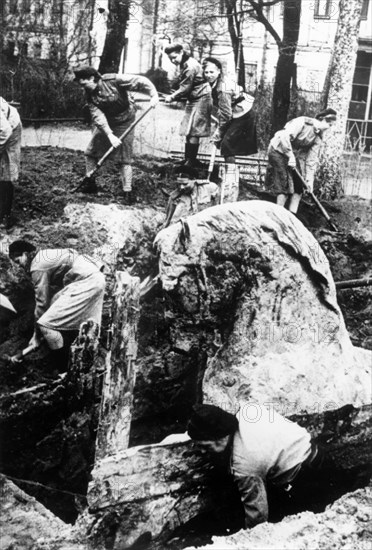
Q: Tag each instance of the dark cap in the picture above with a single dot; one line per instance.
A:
(213, 60)
(328, 114)
(210, 422)
(86, 71)
(17, 248)
(173, 48)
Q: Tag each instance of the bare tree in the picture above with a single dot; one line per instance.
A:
(234, 13)
(337, 94)
(118, 17)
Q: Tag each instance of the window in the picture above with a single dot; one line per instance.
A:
(364, 13)
(322, 9)
(361, 93)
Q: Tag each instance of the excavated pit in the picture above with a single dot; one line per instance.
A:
(50, 437)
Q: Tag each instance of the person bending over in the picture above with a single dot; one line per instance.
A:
(112, 110)
(271, 458)
(69, 289)
(298, 146)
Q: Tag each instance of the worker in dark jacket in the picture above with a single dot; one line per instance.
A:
(69, 289)
(235, 132)
(112, 110)
(298, 145)
(266, 454)
(192, 87)
(10, 158)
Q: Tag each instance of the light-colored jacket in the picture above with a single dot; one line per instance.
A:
(302, 139)
(54, 269)
(266, 446)
(9, 120)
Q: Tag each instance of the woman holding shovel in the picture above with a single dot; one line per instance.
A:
(296, 147)
(69, 289)
(112, 109)
(236, 127)
(196, 122)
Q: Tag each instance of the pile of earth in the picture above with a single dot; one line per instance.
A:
(46, 187)
(49, 175)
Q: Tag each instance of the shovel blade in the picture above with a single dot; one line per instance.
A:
(5, 303)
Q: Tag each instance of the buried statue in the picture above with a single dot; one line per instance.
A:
(251, 303)
(235, 272)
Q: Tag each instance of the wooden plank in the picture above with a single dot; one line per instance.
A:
(117, 397)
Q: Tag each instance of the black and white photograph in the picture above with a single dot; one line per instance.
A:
(186, 275)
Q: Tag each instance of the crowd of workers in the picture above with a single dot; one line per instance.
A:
(69, 287)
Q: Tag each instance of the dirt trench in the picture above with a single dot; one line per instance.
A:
(50, 437)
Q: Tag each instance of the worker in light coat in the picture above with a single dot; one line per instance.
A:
(69, 289)
(10, 158)
(266, 454)
(298, 145)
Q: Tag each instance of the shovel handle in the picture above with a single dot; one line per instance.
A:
(17, 358)
(111, 149)
(211, 161)
(317, 202)
(122, 137)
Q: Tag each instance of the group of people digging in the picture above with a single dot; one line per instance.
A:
(210, 97)
(264, 456)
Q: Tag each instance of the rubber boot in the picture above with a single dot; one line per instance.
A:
(231, 187)
(187, 153)
(192, 153)
(126, 180)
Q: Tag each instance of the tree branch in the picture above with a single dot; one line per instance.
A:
(259, 16)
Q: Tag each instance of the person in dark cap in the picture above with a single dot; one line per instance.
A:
(190, 85)
(191, 196)
(268, 455)
(69, 289)
(112, 109)
(298, 146)
(235, 132)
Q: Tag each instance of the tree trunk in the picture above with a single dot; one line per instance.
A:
(234, 26)
(115, 38)
(285, 66)
(337, 94)
(117, 398)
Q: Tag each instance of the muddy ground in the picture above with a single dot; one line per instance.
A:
(48, 177)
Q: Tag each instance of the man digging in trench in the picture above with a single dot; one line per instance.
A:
(69, 289)
(276, 467)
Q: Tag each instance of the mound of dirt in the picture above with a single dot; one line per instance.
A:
(48, 178)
